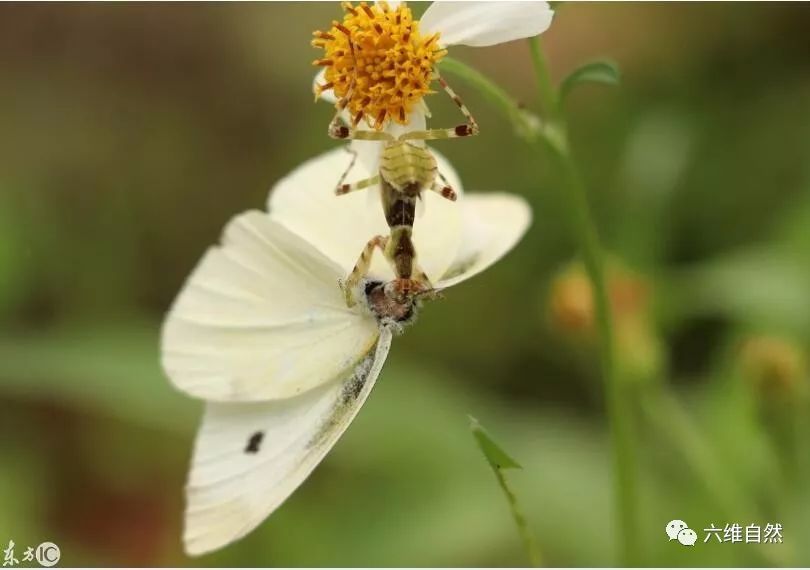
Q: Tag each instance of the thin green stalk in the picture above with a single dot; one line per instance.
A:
(663, 411)
(545, 88)
(620, 418)
(620, 415)
(801, 427)
(520, 520)
(551, 139)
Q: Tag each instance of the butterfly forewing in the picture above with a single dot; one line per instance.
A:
(261, 317)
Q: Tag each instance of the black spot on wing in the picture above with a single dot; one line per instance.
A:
(254, 442)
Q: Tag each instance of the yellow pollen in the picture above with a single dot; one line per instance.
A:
(381, 52)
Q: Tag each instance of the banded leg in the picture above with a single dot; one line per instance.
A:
(359, 185)
(343, 176)
(336, 126)
(338, 130)
(361, 268)
(444, 189)
(470, 128)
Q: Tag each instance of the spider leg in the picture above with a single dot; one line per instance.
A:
(359, 185)
(361, 268)
(470, 128)
(444, 189)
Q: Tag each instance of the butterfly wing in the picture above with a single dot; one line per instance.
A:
(249, 458)
(261, 317)
(492, 225)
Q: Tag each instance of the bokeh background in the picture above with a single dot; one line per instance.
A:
(130, 134)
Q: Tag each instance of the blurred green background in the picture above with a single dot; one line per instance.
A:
(130, 134)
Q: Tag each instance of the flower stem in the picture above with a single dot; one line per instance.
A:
(551, 139)
(545, 88)
(520, 520)
(620, 418)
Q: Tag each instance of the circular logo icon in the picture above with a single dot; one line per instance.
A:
(48, 554)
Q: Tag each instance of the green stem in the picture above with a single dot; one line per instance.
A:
(801, 426)
(620, 415)
(545, 88)
(520, 520)
(664, 412)
(551, 139)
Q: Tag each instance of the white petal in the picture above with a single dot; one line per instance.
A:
(327, 95)
(368, 156)
(482, 24)
(340, 226)
(493, 224)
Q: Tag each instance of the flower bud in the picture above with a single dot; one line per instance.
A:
(775, 366)
(570, 306)
(571, 299)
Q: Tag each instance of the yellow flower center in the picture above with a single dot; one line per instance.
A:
(380, 55)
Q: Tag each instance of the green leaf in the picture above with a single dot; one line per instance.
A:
(602, 71)
(499, 461)
(495, 455)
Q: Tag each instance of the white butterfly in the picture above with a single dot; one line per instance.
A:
(261, 332)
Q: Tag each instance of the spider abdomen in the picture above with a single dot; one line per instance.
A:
(408, 168)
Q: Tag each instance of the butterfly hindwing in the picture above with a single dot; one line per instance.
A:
(248, 458)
